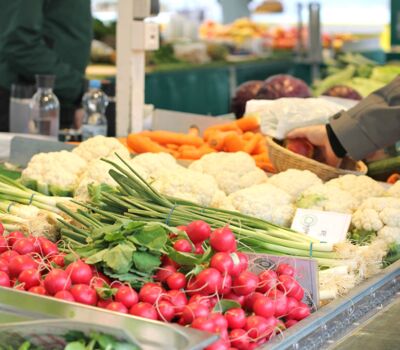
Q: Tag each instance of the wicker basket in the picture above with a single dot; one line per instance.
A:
(283, 159)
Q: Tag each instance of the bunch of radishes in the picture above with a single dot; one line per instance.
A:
(264, 304)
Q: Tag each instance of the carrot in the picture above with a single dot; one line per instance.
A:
(248, 123)
(217, 139)
(248, 135)
(266, 166)
(123, 140)
(194, 131)
(221, 127)
(261, 147)
(233, 143)
(392, 179)
(251, 144)
(164, 137)
(172, 146)
(263, 157)
(142, 144)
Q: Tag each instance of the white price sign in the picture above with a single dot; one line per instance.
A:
(326, 226)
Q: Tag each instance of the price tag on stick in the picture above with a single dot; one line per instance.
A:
(326, 226)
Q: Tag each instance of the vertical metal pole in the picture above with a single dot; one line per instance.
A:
(315, 44)
(300, 43)
(123, 88)
(137, 92)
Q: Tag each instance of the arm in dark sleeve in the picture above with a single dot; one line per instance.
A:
(27, 53)
(372, 124)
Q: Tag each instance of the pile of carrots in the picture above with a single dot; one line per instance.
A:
(240, 135)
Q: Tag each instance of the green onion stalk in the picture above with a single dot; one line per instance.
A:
(137, 200)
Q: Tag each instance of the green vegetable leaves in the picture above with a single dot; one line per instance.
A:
(224, 305)
(145, 261)
(119, 258)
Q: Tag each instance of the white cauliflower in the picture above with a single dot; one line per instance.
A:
(389, 234)
(232, 171)
(53, 173)
(360, 187)
(189, 185)
(100, 147)
(376, 212)
(97, 173)
(328, 198)
(155, 162)
(264, 201)
(394, 190)
(294, 181)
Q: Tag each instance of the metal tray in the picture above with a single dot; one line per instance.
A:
(22, 306)
(336, 320)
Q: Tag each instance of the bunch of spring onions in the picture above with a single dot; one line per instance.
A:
(137, 200)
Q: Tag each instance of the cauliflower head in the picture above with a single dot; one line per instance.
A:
(97, 173)
(328, 198)
(188, 185)
(53, 173)
(376, 212)
(294, 181)
(154, 163)
(394, 191)
(266, 202)
(100, 147)
(232, 171)
(360, 187)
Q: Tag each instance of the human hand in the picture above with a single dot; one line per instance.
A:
(318, 137)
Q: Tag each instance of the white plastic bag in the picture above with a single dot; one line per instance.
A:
(278, 117)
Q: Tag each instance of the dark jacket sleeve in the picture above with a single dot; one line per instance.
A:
(372, 124)
(27, 53)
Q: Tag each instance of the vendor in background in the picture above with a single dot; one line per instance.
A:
(372, 124)
(45, 37)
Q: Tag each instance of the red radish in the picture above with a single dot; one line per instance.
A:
(127, 296)
(200, 299)
(176, 298)
(57, 280)
(29, 278)
(292, 304)
(239, 339)
(166, 260)
(18, 286)
(226, 284)
(220, 322)
(13, 237)
(47, 247)
(117, 307)
(4, 265)
(236, 318)
(198, 248)
(58, 259)
(290, 287)
(79, 272)
(245, 284)
(1, 229)
(264, 307)
(300, 312)
(144, 310)
(250, 300)
(259, 327)
(244, 260)
(23, 246)
(150, 293)
(192, 311)
(20, 263)
(198, 231)
(239, 298)
(203, 324)
(164, 272)
(223, 262)
(82, 293)
(290, 323)
(38, 290)
(3, 244)
(165, 310)
(4, 279)
(285, 269)
(97, 282)
(181, 228)
(176, 281)
(209, 281)
(103, 303)
(268, 280)
(218, 345)
(64, 295)
(280, 301)
(223, 240)
(8, 255)
(183, 245)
